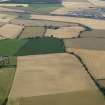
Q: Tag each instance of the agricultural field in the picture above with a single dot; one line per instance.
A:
(44, 8)
(78, 5)
(60, 11)
(21, 47)
(10, 31)
(6, 17)
(52, 53)
(35, 8)
(94, 61)
(53, 82)
(7, 73)
(85, 43)
(38, 22)
(89, 57)
(93, 34)
(32, 32)
(92, 23)
(98, 3)
(65, 32)
(13, 5)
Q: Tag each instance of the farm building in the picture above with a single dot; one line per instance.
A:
(3, 60)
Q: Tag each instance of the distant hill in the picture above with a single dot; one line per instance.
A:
(32, 1)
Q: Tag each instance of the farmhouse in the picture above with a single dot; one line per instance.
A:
(3, 60)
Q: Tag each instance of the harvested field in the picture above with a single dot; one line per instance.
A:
(98, 3)
(93, 33)
(77, 5)
(92, 23)
(10, 30)
(52, 81)
(85, 43)
(94, 60)
(32, 32)
(60, 11)
(3, 9)
(6, 17)
(65, 32)
(41, 23)
(1, 24)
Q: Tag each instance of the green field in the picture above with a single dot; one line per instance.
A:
(21, 47)
(44, 8)
(7, 73)
(37, 8)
